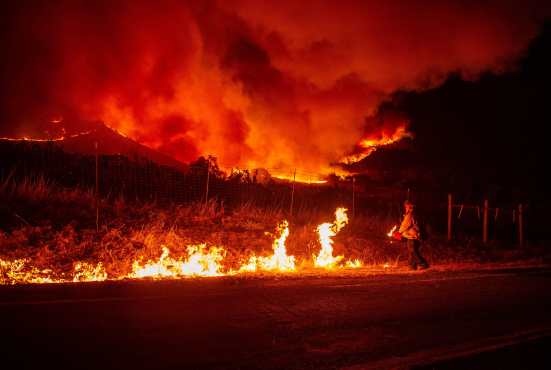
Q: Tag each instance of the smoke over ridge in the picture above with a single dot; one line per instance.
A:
(274, 84)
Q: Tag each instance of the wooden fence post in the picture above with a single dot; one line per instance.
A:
(293, 193)
(353, 196)
(450, 205)
(96, 198)
(485, 222)
(520, 226)
(208, 180)
(495, 223)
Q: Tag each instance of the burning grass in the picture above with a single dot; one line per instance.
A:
(49, 236)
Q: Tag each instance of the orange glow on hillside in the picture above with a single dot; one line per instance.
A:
(374, 142)
(301, 179)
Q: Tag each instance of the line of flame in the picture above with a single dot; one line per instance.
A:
(200, 261)
(300, 179)
(60, 138)
(370, 145)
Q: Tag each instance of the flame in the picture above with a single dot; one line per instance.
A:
(86, 272)
(18, 272)
(249, 266)
(298, 176)
(354, 264)
(279, 261)
(326, 231)
(198, 263)
(26, 138)
(56, 120)
(39, 140)
(188, 89)
(371, 144)
(200, 260)
(201, 264)
(304, 180)
(391, 232)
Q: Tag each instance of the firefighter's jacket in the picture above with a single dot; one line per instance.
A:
(409, 227)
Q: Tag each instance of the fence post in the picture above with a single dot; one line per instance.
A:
(293, 193)
(485, 222)
(96, 198)
(353, 196)
(450, 205)
(520, 226)
(495, 223)
(208, 180)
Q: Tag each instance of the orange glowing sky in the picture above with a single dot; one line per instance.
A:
(273, 84)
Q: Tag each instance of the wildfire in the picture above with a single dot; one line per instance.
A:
(326, 232)
(354, 264)
(201, 261)
(37, 140)
(299, 178)
(86, 272)
(371, 144)
(279, 261)
(26, 138)
(18, 272)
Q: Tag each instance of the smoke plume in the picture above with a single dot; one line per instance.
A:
(273, 84)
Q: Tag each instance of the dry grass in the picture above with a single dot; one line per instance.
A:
(54, 227)
(39, 189)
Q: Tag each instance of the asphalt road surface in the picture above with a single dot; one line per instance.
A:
(449, 320)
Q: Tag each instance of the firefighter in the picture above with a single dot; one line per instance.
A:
(409, 230)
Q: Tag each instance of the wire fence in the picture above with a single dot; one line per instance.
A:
(136, 179)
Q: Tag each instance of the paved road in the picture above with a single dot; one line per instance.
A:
(276, 323)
